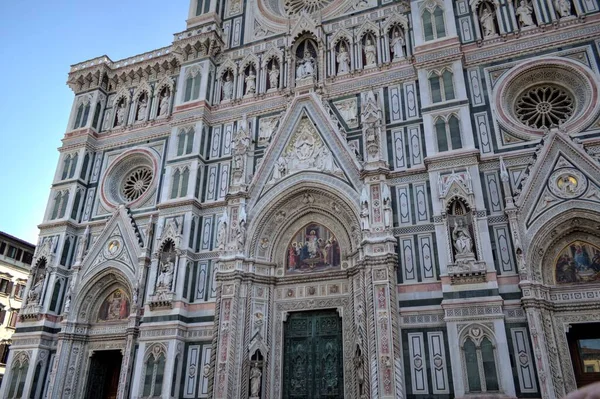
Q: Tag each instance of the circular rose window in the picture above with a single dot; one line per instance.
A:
(545, 106)
(137, 183)
(130, 178)
(297, 6)
(543, 94)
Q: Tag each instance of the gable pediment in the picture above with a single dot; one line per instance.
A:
(306, 141)
(562, 172)
(119, 242)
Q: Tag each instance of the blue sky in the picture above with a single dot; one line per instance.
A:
(39, 40)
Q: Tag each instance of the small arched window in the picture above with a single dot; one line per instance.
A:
(448, 134)
(441, 86)
(192, 85)
(179, 186)
(66, 165)
(73, 165)
(480, 362)
(17, 380)
(96, 115)
(433, 23)
(154, 373)
(185, 142)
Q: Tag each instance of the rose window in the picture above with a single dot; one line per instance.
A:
(544, 106)
(137, 183)
(310, 6)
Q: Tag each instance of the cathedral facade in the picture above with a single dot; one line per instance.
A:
(327, 199)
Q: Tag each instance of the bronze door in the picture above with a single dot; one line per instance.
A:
(103, 380)
(313, 359)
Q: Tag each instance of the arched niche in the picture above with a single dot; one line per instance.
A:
(274, 224)
(558, 237)
(97, 295)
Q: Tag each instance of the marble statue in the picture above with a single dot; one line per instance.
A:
(34, 293)
(524, 13)
(364, 216)
(462, 239)
(274, 77)
(396, 44)
(280, 169)
(563, 7)
(227, 87)
(165, 278)
(163, 105)
(68, 300)
(370, 53)
(305, 67)
(250, 83)
(106, 123)
(255, 378)
(121, 114)
(343, 60)
(487, 23)
(241, 235)
(348, 110)
(222, 232)
(360, 372)
(266, 129)
(387, 212)
(143, 106)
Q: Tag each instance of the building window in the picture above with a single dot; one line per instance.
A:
(83, 111)
(5, 286)
(154, 373)
(86, 161)
(192, 85)
(480, 362)
(19, 289)
(433, 23)
(180, 183)
(12, 321)
(441, 86)
(447, 132)
(60, 204)
(69, 165)
(12, 252)
(27, 257)
(17, 380)
(4, 347)
(185, 142)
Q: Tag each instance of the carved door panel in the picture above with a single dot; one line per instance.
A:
(313, 356)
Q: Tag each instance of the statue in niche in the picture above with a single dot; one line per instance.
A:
(274, 77)
(387, 211)
(397, 43)
(255, 377)
(461, 236)
(36, 291)
(370, 53)
(487, 23)
(227, 87)
(165, 278)
(360, 372)
(250, 83)
(343, 60)
(306, 67)
(348, 111)
(106, 123)
(267, 127)
(240, 235)
(142, 107)
(163, 105)
(280, 169)
(563, 7)
(222, 232)
(524, 13)
(121, 114)
(364, 216)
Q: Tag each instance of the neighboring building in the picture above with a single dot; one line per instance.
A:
(15, 264)
(327, 199)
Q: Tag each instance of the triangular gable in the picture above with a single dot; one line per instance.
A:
(563, 172)
(306, 114)
(120, 241)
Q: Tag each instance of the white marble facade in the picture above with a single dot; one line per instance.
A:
(425, 174)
